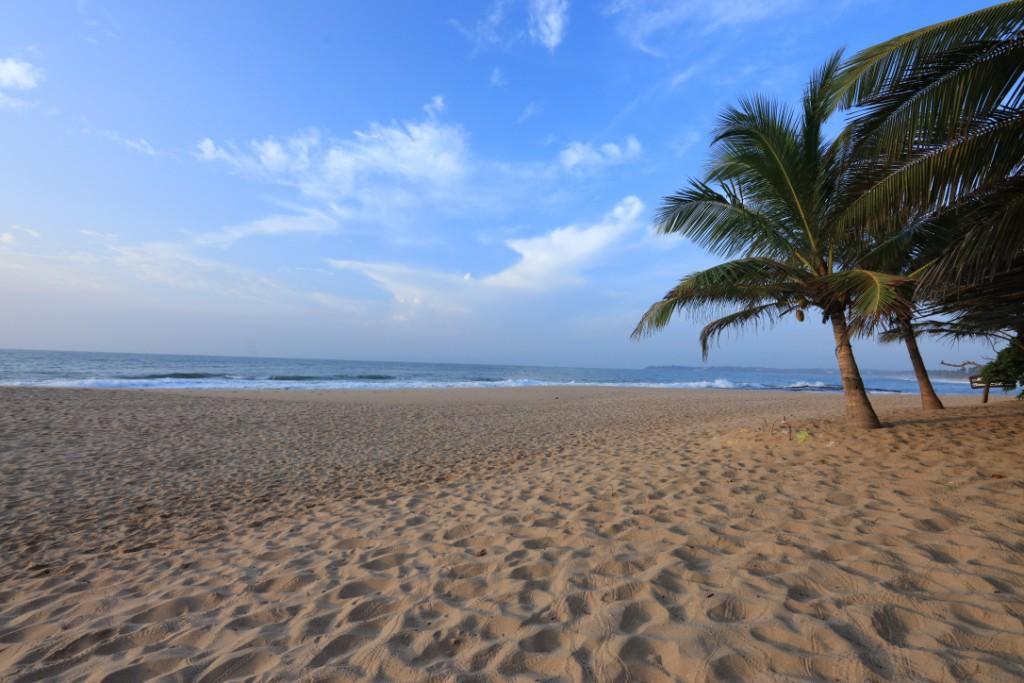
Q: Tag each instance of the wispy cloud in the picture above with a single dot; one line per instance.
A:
(558, 257)
(497, 79)
(153, 271)
(378, 175)
(548, 21)
(98, 236)
(428, 153)
(580, 156)
(309, 221)
(555, 259)
(684, 141)
(99, 23)
(139, 144)
(393, 180)
(434, 107)
(681, 77)
(640, 20)
(10, 236)
(414, 289)
(529, 111)
(485, 31)
(17, 75)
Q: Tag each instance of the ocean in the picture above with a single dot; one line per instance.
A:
(157, 371)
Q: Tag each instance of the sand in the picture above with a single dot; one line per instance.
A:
(536, 534)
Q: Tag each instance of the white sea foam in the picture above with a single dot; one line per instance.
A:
(803, 384)
(328, 384)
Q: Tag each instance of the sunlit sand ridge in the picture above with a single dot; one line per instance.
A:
(547, 534)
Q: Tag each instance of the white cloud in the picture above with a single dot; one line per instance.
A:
(435, 106)
(545, 262)
(415, 288)
(16, 74)
(428, 153)
(156, 272)
(268, 157)
(9, 237)
(99, 236)
(309, 221)
(140, 145)
(336, 302)
(548, 21)
(681, 77)
(558, 257)
(497, 78)
(639, 20)
(171, 264)
(583, 156)
(27, 231)
(529, 111)
(486, 31)
(376, 176)
(395, 181)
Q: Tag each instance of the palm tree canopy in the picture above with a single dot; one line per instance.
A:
(940, 113)
(770, 202)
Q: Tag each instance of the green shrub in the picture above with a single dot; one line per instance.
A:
(1007, 368)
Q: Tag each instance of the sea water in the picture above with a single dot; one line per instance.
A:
(157, 371)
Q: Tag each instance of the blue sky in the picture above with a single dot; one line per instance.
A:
(428, 181)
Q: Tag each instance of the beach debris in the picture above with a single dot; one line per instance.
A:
(770, 427)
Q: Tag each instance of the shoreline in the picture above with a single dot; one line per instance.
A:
(956, 397)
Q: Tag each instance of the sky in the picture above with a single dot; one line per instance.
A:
(423, 181)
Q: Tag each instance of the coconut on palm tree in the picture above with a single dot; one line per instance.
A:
(773, 202)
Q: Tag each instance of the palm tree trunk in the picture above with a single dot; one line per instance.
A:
(929, 399)
(858, 406)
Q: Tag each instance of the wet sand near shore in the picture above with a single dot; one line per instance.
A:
(557, 534)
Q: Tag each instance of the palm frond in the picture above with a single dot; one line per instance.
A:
(980, 238)
(722, 222)
(757, 147)
(942, 95)
(946, 174)
(757, 315)
(739, 283)
(870, 295)
(874, 69)
(821, 98)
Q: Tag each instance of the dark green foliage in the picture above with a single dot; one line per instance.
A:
(1008, 367)
(771, 201)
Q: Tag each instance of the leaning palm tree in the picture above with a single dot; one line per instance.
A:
(906, 254)
(943, 106)
(771, 202)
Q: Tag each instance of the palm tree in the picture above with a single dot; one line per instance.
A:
(772, 202)
(939, 111)
(901, 328)
(929, 399)
(943, 107)
(993, 310)
(907, 254)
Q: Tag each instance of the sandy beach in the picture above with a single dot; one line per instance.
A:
(513, 534)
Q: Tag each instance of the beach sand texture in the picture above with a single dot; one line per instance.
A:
(534, 534)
